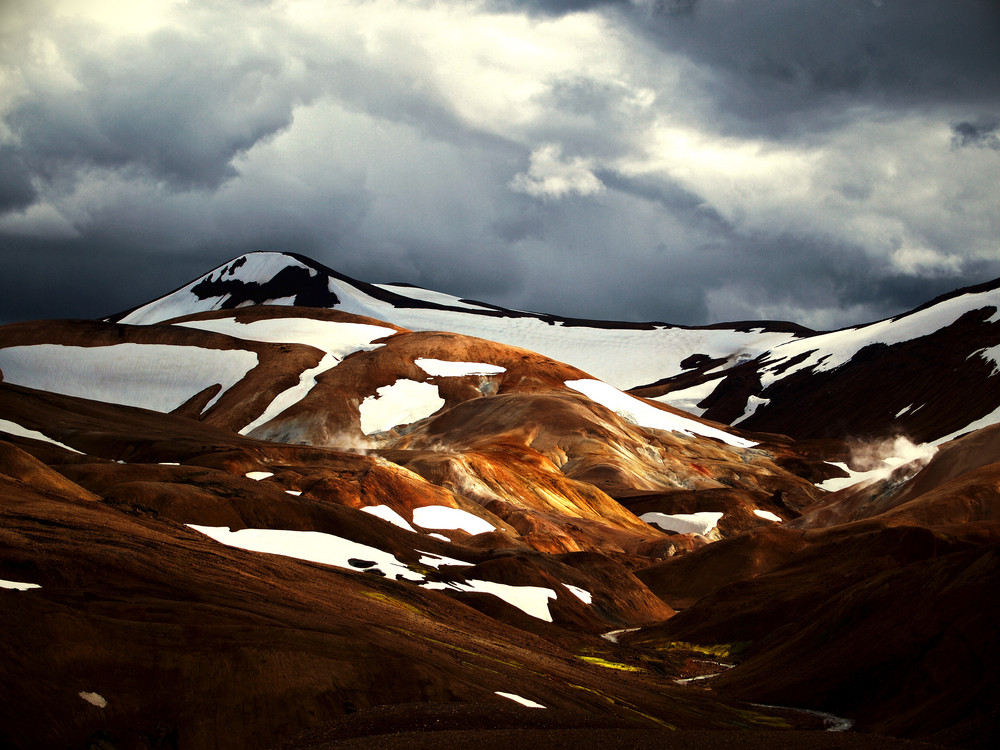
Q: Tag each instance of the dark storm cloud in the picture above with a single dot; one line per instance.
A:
(672, 196)
(16, 190)
(552, 7)
(176, 107)
(772, 61)
(674, 160)
(980, 134)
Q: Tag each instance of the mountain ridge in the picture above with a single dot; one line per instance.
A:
(230, 524)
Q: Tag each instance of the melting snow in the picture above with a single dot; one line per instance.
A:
(639, 412)
(151, 376)
(258, 475)
(329, 549)
(12, 428)
(314, 546)
(582, 594)
(443, 517)
(689, 398)
(890, 455)
(684, 523)
(444, 368)
(17, 586)
(532, 600)
(291, 396)
(388, 514)
(992, 418)
(435, 561)
(991, 355)
(403, 402)
(293, 492)
(518, 699)
(612, 635)
(767, 515)
(753, 403)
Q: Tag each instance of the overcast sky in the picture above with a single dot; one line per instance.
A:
(689, 161)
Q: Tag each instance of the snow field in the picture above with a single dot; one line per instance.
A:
(160, 377)
(428, 295)
(827, 351)
(638, 412)
(337, 339)
(333, 337)
(256, 267)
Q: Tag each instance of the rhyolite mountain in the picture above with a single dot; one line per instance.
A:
(927, 374)
(281, 507)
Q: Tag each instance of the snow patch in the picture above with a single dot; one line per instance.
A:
(518, 699)
(582, 594)
(444, 368)
(881, 458)
(767, 515)
(689, 398)
(612, 635)
(684, 523)
(532, 600)
(991, 355)
(388, 514)
(94, 699)
(403, 402)
(13, 428)
(753, 403)
(291, 396)
(640, 413)
(17, 585)
(443, 517)
(258, 475)
(328, 549)
(990, 419)
(314, 546)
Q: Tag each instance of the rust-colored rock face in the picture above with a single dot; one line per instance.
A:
(226, 523)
